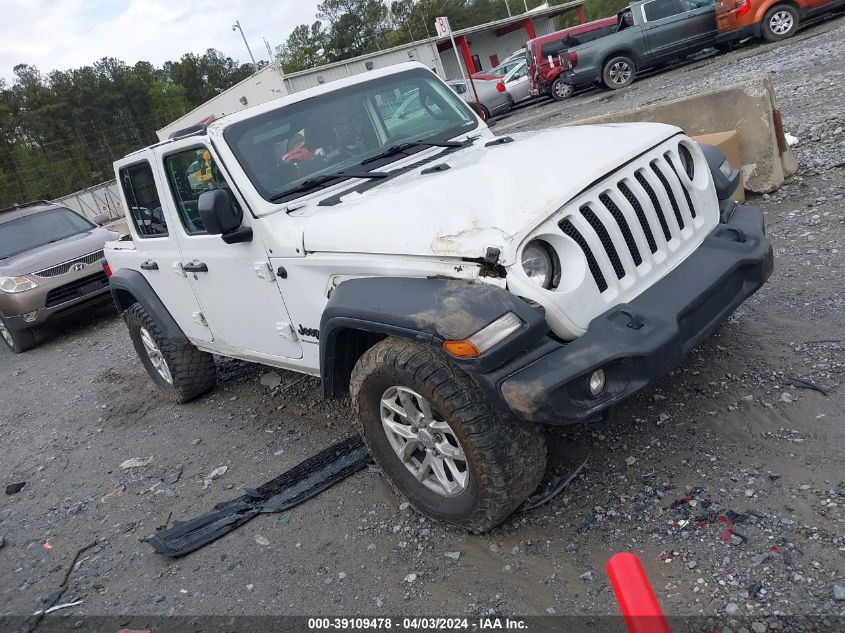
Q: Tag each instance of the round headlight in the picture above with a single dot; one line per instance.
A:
(538, 264)
(687, 160)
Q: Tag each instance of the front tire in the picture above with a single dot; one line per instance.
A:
(780, 22)
(436, 437)
(180, 371)
(618, 72)
(18, 341)
(561, 90)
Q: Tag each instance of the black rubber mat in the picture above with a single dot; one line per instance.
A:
(292, 487)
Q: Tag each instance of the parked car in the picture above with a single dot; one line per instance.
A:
(544, 53)
(458, 309)
(517, 83)
(648, 34)
(772, 20)
(49, 267)
(494, 97)
(499, 71)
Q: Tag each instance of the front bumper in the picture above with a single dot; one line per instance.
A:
(638, 343)
(43, 315)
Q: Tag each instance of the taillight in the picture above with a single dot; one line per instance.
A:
(742, 7)
(572, 59)
(500, 86)
(106, 267)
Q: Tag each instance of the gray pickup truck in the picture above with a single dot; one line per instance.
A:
(648, 34)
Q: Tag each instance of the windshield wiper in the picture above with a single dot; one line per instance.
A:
(310, 184)
(402, 148)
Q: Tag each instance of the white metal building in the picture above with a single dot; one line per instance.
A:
(480, 47)
(260, 87)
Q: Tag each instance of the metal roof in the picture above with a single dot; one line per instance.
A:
(548, 12)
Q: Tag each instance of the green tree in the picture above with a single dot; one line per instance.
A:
(168, 102)
(355, 27)
(303, 49)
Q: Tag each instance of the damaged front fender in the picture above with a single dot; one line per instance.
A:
(427, 310)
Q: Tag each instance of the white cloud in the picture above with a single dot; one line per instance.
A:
(63, 34)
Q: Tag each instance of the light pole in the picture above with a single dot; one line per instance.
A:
(237, 26)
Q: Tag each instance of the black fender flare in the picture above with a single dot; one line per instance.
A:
(129, 286)
(430, 311)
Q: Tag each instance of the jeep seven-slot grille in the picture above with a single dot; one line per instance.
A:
(669, 193)
(77, 289)
(655, 203)
(638, 209)
(606, 242)
(569, 229)
(62, 269)
(623, 218)
(669, 160)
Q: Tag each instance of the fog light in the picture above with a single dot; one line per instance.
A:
(597, 382)
(29, 317)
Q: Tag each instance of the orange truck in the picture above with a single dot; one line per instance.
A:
(772, 20)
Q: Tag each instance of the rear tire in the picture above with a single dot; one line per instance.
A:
(561, 90)
(618, 72)
(780, 22)
(18, 341)
(180, 371)
(460, 463)
(481, 110)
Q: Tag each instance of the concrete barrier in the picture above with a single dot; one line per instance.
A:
(749, 107)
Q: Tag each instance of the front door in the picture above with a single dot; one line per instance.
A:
(518, 83)
(664, 28)
(234, 283)
(699, 24)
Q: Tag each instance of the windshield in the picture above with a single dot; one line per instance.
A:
(31, 231)
(331, 132)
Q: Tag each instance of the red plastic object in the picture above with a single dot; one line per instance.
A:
(635, 596)
(500, 86)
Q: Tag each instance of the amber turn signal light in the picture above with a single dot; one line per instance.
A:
(461, 349)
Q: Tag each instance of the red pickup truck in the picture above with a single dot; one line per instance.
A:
(544, 52)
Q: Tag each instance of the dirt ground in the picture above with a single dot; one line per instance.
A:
(730, 432)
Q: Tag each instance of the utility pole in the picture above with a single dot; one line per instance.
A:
(237, 26)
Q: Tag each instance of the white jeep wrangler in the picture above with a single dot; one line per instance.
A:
(462, 288)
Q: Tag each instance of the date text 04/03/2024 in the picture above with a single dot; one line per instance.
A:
(415, 624)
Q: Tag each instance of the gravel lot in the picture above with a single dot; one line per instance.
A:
(725, 432)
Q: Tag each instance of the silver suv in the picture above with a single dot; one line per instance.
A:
(49, 267)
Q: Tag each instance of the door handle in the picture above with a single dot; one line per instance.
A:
(149, 265)
(195, 267)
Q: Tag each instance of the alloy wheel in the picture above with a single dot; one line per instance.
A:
(155, 356)
(781, 22)
(424, 442)
(562, 90)
(620, 73)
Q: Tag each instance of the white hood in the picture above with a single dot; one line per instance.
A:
(489, 197)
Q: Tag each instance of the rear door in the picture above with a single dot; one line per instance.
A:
(664, 29)
(234, 283)
(699, 24)
(157, 255)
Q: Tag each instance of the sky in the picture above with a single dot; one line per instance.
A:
(63, 34)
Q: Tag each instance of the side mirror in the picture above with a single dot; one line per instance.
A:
(101, 219)
(217, 213)
(221, 218)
